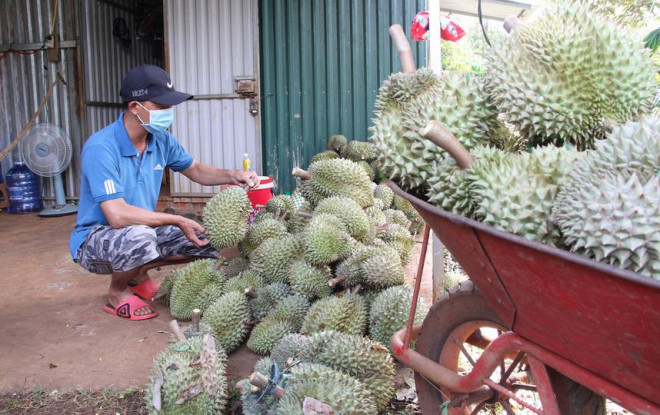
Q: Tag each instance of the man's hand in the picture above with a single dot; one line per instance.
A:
(246, 178)
(193, 230)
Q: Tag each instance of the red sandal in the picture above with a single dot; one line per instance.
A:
(128, 308)
(146, 290)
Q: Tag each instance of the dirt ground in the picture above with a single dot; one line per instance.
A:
(54, 334)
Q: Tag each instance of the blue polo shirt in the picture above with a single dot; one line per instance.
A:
(113, 169)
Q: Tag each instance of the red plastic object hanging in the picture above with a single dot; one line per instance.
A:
(449, 30)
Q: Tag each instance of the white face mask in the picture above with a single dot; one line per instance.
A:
(159, 120)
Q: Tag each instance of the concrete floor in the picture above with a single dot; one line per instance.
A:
(53, 331)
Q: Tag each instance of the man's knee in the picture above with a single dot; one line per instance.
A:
(120, 250)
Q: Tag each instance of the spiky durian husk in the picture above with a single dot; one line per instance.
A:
(325, 240)
(324, 155)
(256, 403)
(244, 280)
(281, 204)
(339, 390)
(376, 216)
(351, 214)
(359, 151)
(337, 177)
(367, 169)
(267, 333)
(449, 186)
(292, 346)
(337, 143)
(265, 229)
(309, 280)
(292, 308)
(400, 239)
(267, 299)
(225, 217)
(389, 313)
(517, 193)
(346, 314)
(416, 221)
(194, 363)
(555, 85)
(197, 286)
(235, 266)
(373, 267)
(459, 103)
(385, 194)
(165, 289)
(263, 214)
(227, 317)
(370, 362)
(273, 258)
(396, 216)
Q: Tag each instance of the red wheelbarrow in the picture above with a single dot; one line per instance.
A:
(532, 321)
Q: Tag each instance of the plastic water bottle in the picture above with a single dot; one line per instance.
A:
(24, 190)
(246, 162)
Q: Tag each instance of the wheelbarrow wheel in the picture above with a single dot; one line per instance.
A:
(462, 319)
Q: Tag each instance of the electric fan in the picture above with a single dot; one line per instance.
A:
(46, 150)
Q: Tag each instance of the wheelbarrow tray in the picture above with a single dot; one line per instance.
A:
(602, 319)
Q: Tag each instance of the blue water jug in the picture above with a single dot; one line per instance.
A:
(24, 189)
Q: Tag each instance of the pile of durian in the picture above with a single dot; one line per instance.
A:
(319, 288)
(554, 143)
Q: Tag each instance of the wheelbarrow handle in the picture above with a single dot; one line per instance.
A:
(442, 137)
(403, 47)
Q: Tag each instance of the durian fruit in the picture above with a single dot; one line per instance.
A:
(246, 248)
(337, 143)
(359, 151)
(389, 312)
(292, 346)
(554, 86)
(416, 220)
(406, 102)
(516, 195)
(337, 389)
(263, 214)
(368, 361)
(267, 333)
(265, 229)
(337, 177)
(385, 194)
(371, 173)
(400, 239)
(226, 216)
(235, 266)
(607, 208)
(376, 216)
(266, 299)
(394, 216)
(188, 378)
(351, 214)
(281, 206)
(244, 280)
(198, 285)
(324, 155)
(273, 258)
(345, 314)
(227, 317)
(309, 280)
(293, 308)
(373, 267)
(325, 240)
(258, 403)
(163, 294)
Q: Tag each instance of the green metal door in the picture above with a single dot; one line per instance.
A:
(322, 63)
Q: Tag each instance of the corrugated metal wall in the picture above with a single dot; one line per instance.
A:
(25, 78)
(322, 64)
(107, 58)
(209, 43)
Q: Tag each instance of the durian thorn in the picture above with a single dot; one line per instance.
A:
(297, 172)
(250, 292)
(261, 381)
(440, 135)
(511, 23)
(176, 330)
(337, 280)
(196, 315)
(241, 383)
(305, 214)
(403, 47)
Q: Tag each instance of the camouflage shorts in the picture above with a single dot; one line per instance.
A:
(109, 250)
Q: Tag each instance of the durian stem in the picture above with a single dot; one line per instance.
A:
(381, 228)
(305, 214)
(301, 173)
(337, 280)
(442, 137)
(258, 206)
(251, 323)
(357, 289)
(250, 292)
(403, 47)
(261, 381)
(196, 315)
(240, 384)
(176, 330)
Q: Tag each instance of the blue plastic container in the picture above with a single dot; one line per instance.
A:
(24, 190)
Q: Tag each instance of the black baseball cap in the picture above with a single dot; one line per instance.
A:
(150, 83)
